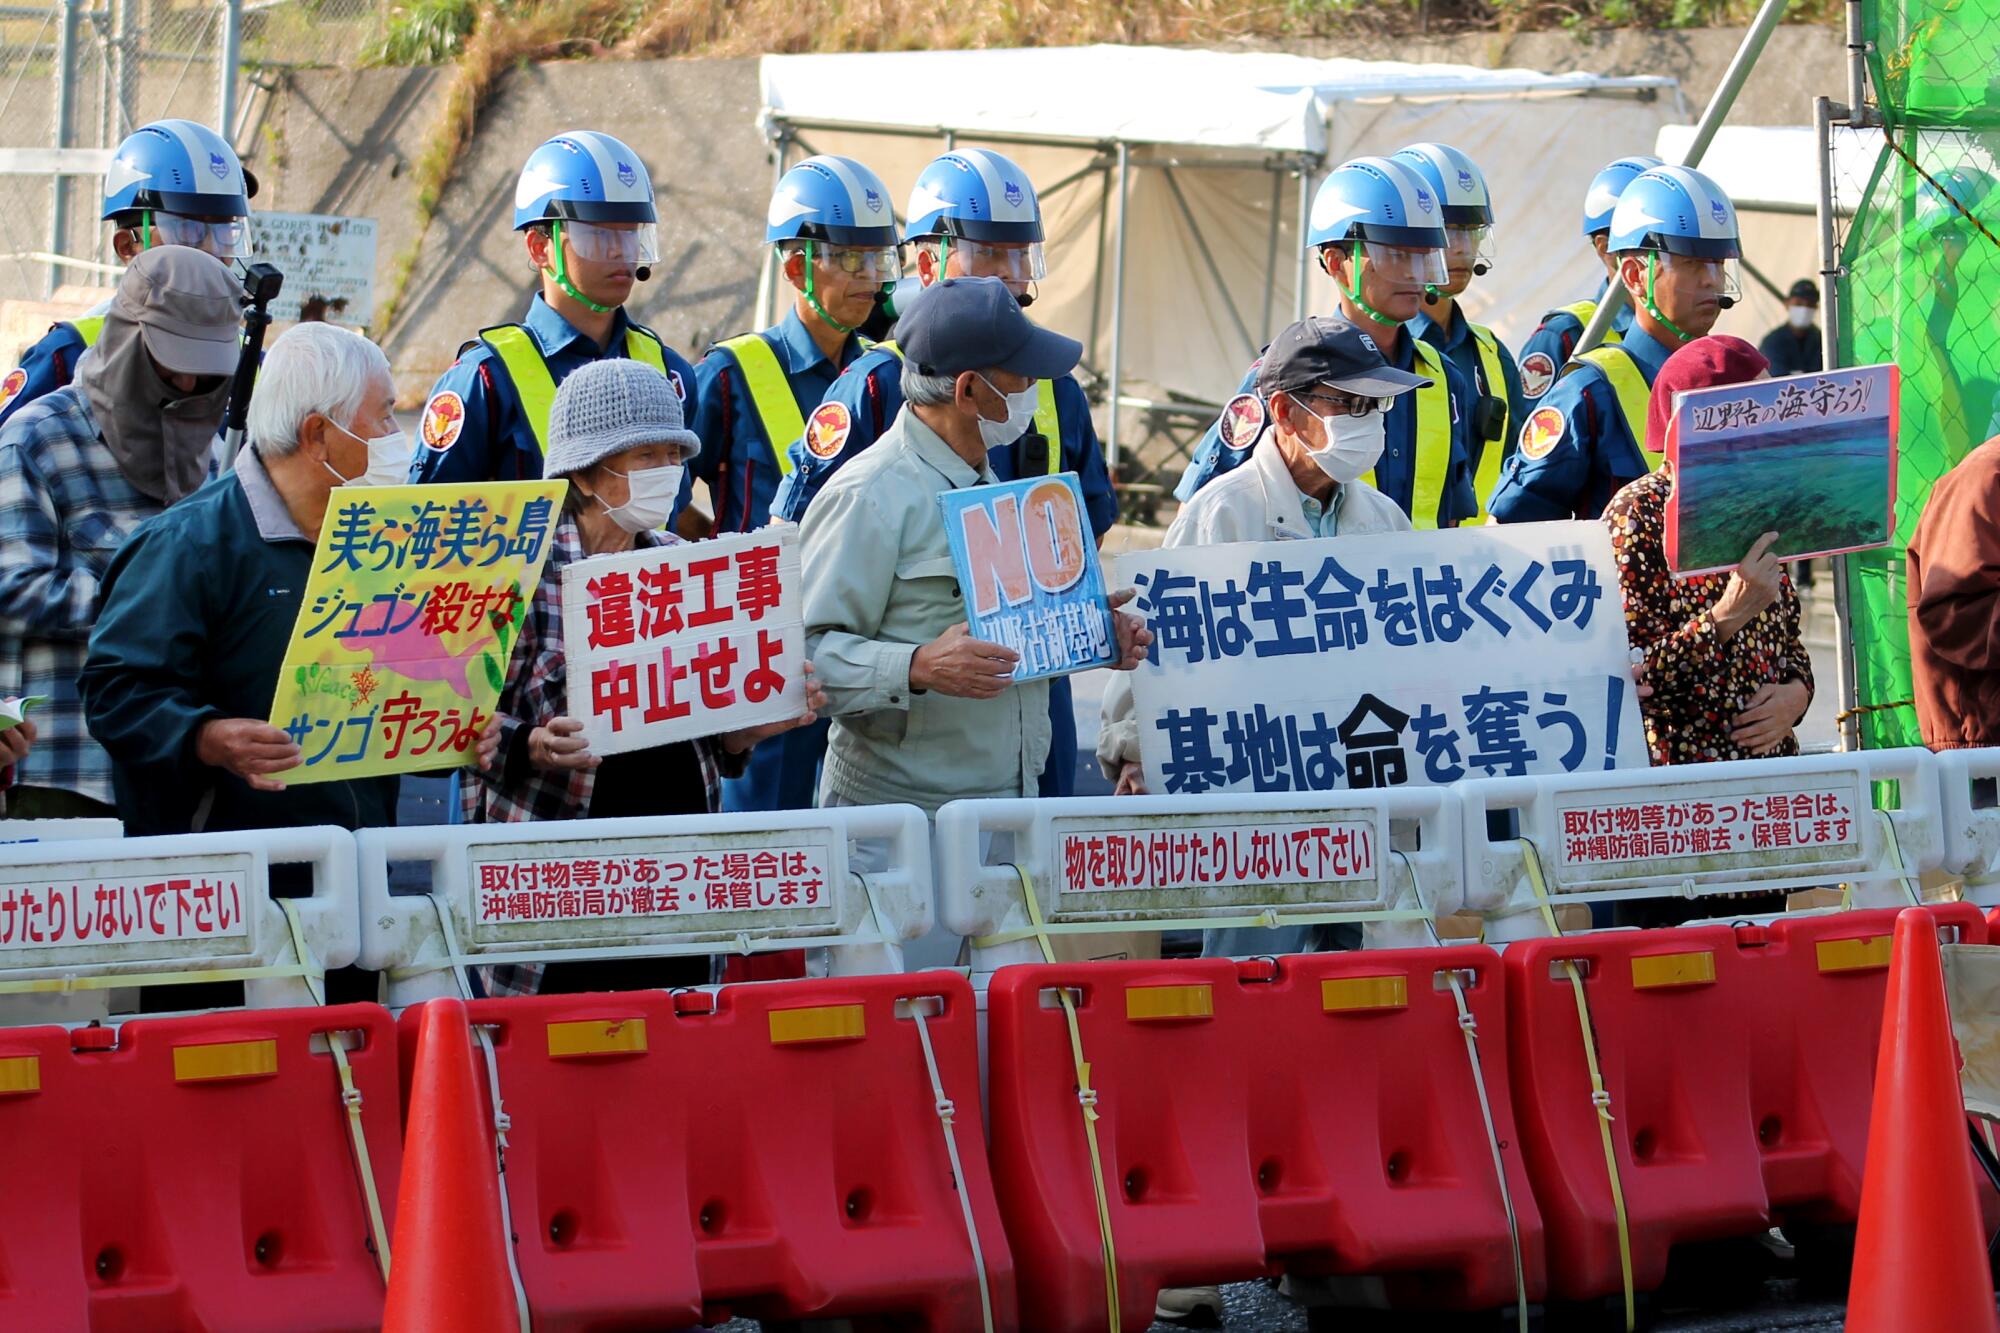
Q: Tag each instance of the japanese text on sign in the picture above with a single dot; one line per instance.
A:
(1803, 398)
(48, 915)
(671, 642)
(1432, 657)
(328, 262)
(678, 884)
(1668, 830)
(1028, 567)
(409, 617)
(1232, 856)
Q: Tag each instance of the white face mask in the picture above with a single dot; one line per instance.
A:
(1801, 316)
(1020, 411)
(653, 491)
(388, 460)
(1353, 445)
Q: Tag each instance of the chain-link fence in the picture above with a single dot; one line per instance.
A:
(1922, 289)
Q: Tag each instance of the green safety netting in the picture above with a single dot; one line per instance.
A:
(1922, 289)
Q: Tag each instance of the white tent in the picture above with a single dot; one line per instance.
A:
(1173, 182)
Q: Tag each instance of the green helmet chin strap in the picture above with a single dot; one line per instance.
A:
(812, 296)
(1354, 291)
(1653, 307)
(146, 230)
(561, 272)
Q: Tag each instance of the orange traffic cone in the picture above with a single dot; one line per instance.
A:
(1920, 1255)
(449, 1273)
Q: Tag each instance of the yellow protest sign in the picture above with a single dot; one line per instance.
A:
(416, 597)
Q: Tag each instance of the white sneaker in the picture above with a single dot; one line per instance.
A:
(1190, 1307)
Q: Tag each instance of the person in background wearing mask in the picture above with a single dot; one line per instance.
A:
(1550, 346)
(80, 469)
(1793, 347)
(1378, 230)
(973, 214)
(1474, 350)
(172, 182)
(1674, 235)
(199, 605)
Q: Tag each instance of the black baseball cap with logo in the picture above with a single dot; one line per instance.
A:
(1327, 350)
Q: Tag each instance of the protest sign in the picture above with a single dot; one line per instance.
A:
(328, 263)
(667, 643)
(416, 596)
(1380, 661)
(1027, 565)
(1809, 457)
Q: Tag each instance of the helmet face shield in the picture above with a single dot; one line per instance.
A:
(878, 264)
(1720, 273)
(603, 243)
(1399, 263)
(1009, 263)
(1468, 249)
(227, 239)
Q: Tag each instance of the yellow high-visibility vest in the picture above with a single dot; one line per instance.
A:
(1433, 440)
(1635, 396)
(1496, 384)
(529, 369)
(90, 328)
(1583, 312)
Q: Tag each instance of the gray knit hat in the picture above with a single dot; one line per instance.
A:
(610, 406)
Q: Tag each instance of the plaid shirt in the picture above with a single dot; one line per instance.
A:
(65, 509)
(537, 692)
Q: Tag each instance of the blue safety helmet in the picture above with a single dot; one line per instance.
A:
(1678, 210)
(583, 176)
(833, 199)
(175, 166)
(1942, 208)
(976, 194)
(1455, 178)
(1605, 187)
(1375, 199)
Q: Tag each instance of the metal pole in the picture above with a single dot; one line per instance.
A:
(1305, 226)
(1830, 272)
(60, 185)
(1711, 120)
(228, 68)
(124, 68)
(1271, 256)
(768, 271)
(1857, 66)
(1118, 304)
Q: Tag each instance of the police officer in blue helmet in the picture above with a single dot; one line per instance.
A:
(1378, 230)
(835, 232)
(584, 208)
(1473, 349)
(972, 214)
(172, 182)
(1548, 349)
(1674, 237)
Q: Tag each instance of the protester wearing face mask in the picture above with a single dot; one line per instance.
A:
(1793, 348)
(199, 605)
(617, 433)
(83, 466)
(1325, 388)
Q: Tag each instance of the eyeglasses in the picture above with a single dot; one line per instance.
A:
(883, 264)
(1345, 405)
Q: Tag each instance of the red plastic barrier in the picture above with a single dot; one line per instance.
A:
(778, 1156)
(1321, 1121)
(197, 1174)
(1739, 1064)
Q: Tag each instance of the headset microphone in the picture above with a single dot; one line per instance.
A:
(1726, 302)
(643, 272)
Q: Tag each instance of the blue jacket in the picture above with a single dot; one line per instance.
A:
(198, 610)
(46, 366)
(1575, 451)
(738, 463)
(473, 428)
(870, 393)
(1395, 474)
(1461, 349)
(1550, 346)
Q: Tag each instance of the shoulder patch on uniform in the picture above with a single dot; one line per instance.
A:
(444, 418)
(10, 388)
(827, 430)
(1544, 428)
(1242, 421)
(1538, 372)
(679, 388)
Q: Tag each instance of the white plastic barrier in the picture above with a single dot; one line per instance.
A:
(1971, 821)
(1157, 862)
(646, 888)
(80, 919)
(1693, 831)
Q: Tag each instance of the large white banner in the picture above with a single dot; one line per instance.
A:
(1379, 661)
(667, 643)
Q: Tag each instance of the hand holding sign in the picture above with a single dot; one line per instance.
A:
(1753, 587)
(957, 664)
(1133, 636)
(736, 742)
(250, 749)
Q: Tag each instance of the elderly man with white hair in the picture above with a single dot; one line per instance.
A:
(200, 602)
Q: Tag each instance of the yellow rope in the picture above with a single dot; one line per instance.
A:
(1599, 1098)
(1086, 1097)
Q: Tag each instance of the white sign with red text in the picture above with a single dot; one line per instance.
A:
(1613, 835)
(133, 909)
(1295, 858)
(682, 882)
(667, 643)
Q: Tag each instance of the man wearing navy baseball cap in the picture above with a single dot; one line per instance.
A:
(922, 712)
